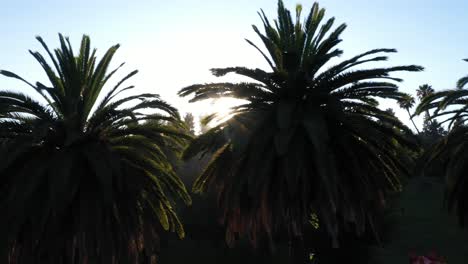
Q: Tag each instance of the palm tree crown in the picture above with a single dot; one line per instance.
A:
(407, 102)
(85, 180)
(424, 90)
(307, 138)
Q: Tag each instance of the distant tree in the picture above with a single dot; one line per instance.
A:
(422, 92)
(433, 130)
(407, 102)
(390, 111)
(85, 180)
(307, 140)
(189, 121)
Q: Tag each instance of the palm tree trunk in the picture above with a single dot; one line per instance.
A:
(411, 118)
(427, 113)
(426, 118)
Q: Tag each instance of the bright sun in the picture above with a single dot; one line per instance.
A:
(222, 107)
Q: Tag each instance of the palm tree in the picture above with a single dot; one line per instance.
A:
(451, 154)
(307, 139)
(84, 175)
(422, 92)
(407, 102)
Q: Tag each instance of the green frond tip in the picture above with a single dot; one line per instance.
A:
(10, 74)
(462, 82)
(298, 10)
(413, 68)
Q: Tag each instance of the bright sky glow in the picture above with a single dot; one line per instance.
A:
(175, 43)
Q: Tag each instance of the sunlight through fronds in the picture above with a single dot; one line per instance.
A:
(310, 138)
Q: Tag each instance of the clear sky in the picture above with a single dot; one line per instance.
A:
(175, 43)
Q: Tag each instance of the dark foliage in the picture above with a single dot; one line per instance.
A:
(451, 153)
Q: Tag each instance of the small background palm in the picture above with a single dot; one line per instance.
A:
(422, 92)
(85, 180)
(407, 102)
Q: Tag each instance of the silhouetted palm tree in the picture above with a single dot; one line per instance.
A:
(407, 102)
(451, 154)
(423, 91)
(307, 139)
(85, 180)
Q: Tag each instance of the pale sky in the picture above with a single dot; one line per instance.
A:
(174, 43)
